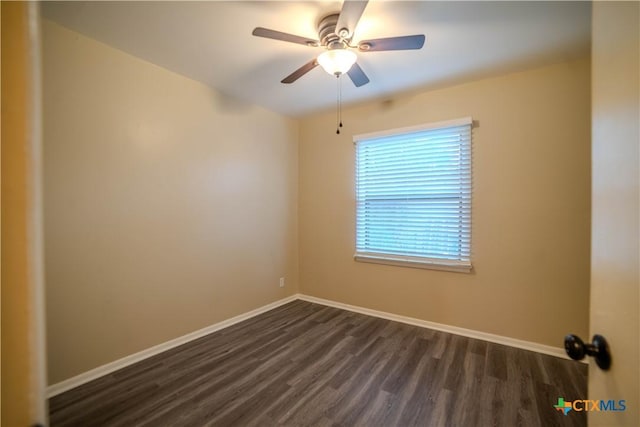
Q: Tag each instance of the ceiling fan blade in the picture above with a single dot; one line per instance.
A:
(357, 76)
(349, 16)
(285, 37)
(300, 71)
(392, 43)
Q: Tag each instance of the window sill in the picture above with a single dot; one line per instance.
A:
(430, 264)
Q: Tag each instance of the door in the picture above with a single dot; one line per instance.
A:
(23, 372)
(615, 277)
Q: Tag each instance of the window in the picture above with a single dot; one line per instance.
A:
(413, 196)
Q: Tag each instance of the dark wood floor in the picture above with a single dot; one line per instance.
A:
(305, 364)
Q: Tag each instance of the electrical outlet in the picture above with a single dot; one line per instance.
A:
(282, 282)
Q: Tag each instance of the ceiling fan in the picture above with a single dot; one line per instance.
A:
(335, 33)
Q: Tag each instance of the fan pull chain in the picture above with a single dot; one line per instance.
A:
(340, 94)
(338, 115)
(339, 102)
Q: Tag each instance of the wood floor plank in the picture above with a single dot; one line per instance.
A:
(304, 364)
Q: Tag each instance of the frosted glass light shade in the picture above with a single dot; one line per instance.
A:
(337, 61)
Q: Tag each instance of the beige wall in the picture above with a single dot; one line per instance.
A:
(167, 207)
(615, 254)
(531, 204)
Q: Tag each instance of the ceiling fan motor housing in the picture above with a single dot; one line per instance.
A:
(327, 32)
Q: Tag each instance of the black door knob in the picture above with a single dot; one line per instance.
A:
(599, 349)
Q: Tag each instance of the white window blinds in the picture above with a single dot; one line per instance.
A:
(413, 195)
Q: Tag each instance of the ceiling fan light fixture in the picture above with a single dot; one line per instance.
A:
(337, 61)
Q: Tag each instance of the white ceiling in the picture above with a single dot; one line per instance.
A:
(211, 42)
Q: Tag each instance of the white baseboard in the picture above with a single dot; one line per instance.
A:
(484, 336)
(100, 371)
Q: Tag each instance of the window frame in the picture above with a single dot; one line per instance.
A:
(453, 265)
